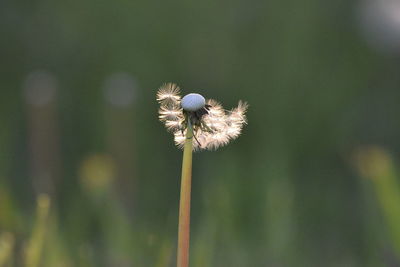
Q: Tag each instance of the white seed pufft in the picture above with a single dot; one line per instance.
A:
(193, 102)
(222, 125)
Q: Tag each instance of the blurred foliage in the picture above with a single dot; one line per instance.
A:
(376, 164)
(34, 249)
(79, 123)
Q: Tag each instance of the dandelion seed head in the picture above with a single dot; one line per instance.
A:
(169, 114)
(168, 94)
(193, 102)
(173, 126)
(179, 138)
(213, 126)
(215, 108)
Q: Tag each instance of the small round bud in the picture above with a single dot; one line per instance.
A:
(193, 102)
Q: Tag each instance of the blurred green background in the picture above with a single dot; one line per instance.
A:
(90, 177)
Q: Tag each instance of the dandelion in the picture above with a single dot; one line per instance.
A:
(213, 126)
(197, 124)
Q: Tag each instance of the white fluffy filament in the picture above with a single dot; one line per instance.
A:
(217, 128)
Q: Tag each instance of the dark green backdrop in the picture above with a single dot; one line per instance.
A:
(286, 193)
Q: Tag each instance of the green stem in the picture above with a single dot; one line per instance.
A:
(184, 206)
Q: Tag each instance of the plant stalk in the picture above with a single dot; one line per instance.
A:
(184, 205)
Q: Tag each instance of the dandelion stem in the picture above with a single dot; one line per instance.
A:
(184, 206)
